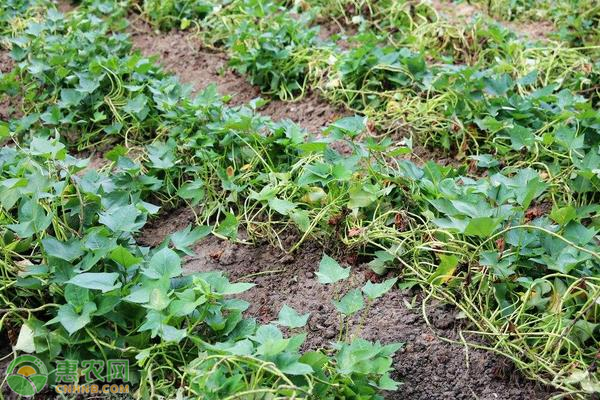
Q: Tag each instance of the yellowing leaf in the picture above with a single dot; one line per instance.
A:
(445, 270)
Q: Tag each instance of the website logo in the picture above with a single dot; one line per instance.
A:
(26, 375)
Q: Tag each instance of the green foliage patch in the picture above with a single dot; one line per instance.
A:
(510, 237)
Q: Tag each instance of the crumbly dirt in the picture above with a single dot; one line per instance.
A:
(9, 105)
(329, 28)
(6, 63)
(461, 12)
(182, 54)
(65, 6)
(429, 367)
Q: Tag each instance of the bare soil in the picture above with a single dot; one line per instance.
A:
(9, 105)
(65, 6)
(6, 63)
(184, 55)
(329, 28)
(462, 12)
(429, 367)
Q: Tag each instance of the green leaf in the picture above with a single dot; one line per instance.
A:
(236, 288)
(527, 186)
(158, 299)
(193, 191)
(485, 161)
(32, 219)
(330, 271)
(482, 226)
(52, 116)
(583, 330)
(351, 126)
(282, 206)
(182, 240)
(169, 333)
(67, 251)
(161, 155)
(351, 303)
(220, 284)
(121, 219)
(137, 106)
(70, 97)
(266, 193)
(380, 263)
(77, 296)
(498, 85)
(87, 86)
(375, 290)
(116, 152)
(491, 124)
(270, 339)
(297, 368)
(228, 227)
(501, 267)
(520, 137)
(362, 196)
(4, 130)
(564, 215)
(71, 320)
(184, 24)
(387, 383)
(122, 256)
(290, 317)
(104, 281)
(363, 357)
(301, 219)
(157, 324)
(41, 147)
(164, 264)
(315, 359)
(185, 306)
(529, 79)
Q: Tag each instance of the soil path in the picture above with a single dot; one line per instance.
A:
(431, 368)
(182, 54)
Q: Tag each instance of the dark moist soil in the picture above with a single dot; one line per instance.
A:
(182, 54)
(429, 367)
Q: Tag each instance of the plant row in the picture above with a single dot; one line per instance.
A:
(78, 286)
(515, 250)
(481, 91)
(575, 21)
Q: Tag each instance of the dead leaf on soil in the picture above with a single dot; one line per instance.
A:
(352, 232)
